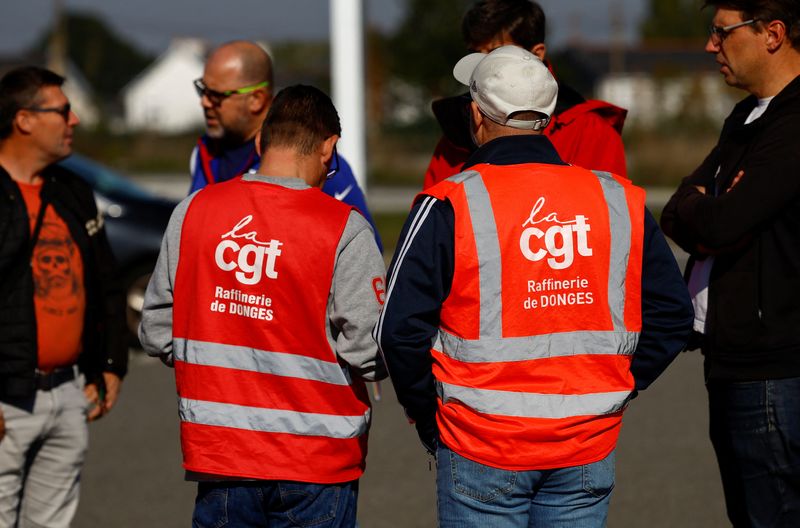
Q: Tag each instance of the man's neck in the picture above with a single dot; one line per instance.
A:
(786, 69)
(287, 163)
(21, 167)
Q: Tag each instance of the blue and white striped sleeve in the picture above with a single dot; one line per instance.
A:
(418, 282)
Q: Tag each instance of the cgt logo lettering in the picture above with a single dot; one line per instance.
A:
(560, 240)
(253, 260)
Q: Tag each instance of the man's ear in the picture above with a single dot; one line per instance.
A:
(326, 152)
(776, 34)
(476, 122)
(257, 139)
(260, 101)
(23, 122)
(540, 50)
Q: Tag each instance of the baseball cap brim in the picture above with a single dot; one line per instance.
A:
(464, 68)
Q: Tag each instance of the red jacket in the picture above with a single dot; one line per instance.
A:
(586, 134)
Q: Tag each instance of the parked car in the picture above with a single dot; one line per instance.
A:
(135, 221)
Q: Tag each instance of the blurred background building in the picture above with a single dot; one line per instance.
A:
(130, 67)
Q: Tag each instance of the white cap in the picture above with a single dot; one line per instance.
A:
(507, 80)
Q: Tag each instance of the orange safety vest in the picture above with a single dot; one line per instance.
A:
(532, 359)
(262, 394)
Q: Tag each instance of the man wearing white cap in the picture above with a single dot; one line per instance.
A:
(528, 302)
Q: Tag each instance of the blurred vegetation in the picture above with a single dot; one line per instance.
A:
(106, 60)
(132, 153)
(684, 20)
(302, 62)
(428, 43)
(419, 54)
(663, 155)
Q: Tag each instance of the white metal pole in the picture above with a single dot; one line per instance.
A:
(347, 81)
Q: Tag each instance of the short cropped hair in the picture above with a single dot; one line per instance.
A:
(19, 89)
(787, 11)
(301, 117)
(523, 20)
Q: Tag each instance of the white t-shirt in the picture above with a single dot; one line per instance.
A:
(701, 271)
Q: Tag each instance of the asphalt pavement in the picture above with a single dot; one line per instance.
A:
(666, 472)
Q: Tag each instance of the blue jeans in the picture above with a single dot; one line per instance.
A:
(275, 504)
(474, 495)
(755, 429)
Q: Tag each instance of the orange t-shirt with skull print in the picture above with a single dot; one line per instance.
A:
(59, 295)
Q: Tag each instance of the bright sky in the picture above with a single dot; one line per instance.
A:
(151, 23)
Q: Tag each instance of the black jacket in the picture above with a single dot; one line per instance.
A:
(104, 346)
(753, 319)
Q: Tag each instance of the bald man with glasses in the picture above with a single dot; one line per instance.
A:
(236, 93)
(737, 215)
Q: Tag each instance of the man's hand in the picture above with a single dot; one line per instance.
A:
(103, 401)
(113, 385)
(2, 425)
(736, 180)
(93, 396)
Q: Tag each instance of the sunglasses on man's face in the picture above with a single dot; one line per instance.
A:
(720, 33)
(63, 111)
(216, 97)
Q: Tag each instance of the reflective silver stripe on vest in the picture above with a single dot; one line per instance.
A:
(535, 347)
(620, 222)
(532, 405)
(491, 347)
(254, 360)
(488, 248)
(272, 420)
(487, 244)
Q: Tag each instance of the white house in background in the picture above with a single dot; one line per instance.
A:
(81, 97)
(651, 99)
(655, 82)
(162, 98)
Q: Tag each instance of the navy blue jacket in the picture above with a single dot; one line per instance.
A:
(421, 274)
(230, 162)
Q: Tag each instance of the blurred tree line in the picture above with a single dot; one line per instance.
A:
(684, 20)
(106, 60)
(421, 51)
(411, 66)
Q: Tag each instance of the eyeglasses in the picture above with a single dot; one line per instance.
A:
(334, 165)
(720, 33)
(63, 111)
(217, 97)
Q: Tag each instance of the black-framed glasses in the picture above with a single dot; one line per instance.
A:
(720, 33)
(216, 97)
(334, 165)
(63, 110)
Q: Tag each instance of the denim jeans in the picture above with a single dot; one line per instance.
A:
(275, 504)
(474, 495)
(755, 429)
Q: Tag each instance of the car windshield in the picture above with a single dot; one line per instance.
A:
(102, 179)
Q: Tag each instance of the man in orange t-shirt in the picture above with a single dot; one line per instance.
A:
(61, 311)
